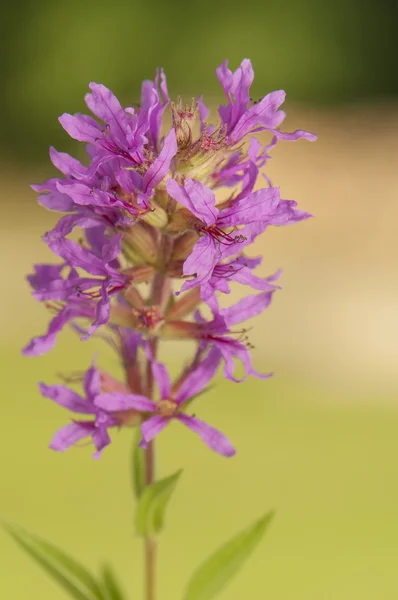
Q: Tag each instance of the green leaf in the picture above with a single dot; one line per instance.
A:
(152, 505)
(110, 584)
(38, 549)
(217, 570)
(138, 466)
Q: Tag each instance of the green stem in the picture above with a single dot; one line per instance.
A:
(159, 296)
(150, 542)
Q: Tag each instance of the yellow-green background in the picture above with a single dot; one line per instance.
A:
(319, 442)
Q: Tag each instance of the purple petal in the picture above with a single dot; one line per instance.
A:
(151, 428)
(101, 439)
(246, 277)
(213, 438)
(76, 255)
(92, 383)
(203, 112)
(200, 377)
(203, 200)
(112, 248)
(104, 104)
(66, 225)
(202, 260)
(265, 115)
(231, 349)
(67, 398)
(54, 200)
(102, 313)
(70, 435)
(44, 274)
(114, 402)
(63, 289)
(196, 197)
(247, 308)
(42, 344)
(258, 206)
(162, 379)
(158, 170)
(68, 165)
(80, 129)
(295, 135)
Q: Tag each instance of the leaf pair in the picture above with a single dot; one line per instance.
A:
(73, 577)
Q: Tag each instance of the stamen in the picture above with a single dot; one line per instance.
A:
(221, 236)
(226, 270)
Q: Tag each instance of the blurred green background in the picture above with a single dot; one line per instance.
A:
(319, 442)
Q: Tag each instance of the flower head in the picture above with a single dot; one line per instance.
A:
(96, 428)
(170, 406)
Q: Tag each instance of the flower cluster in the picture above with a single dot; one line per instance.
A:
(155, 243)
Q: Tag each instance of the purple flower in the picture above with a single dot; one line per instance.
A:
(99, 263)
(239, 118)
(158, 88)
(170, 405)
(78, 430)
(74, 309)
(263, 207)
(217, 333)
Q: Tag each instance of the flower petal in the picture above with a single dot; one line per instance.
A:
(80, 128)
(264, 115)
(69, 435)
(213, 438)
(104, 104)
(114, 402)
(92, 383)
(247, 308)
(258, 206)
(196, 197)
(101, 439)
(67, 398)
(68, 165)
(42, 344)
(202, 260)
(159, 168)
(151, 428)
(198, 379)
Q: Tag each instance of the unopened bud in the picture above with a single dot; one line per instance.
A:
(141, 244)
(157, 217)
(185, 304)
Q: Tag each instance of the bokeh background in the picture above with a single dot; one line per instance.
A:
(319, 442)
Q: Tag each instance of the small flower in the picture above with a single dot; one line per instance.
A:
(78, 430)
(111, 280)
(217, 333)
(74, 309)
(217, 229)
(170, 405)
(240, 118)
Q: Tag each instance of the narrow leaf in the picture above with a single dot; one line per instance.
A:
(110, 584)
(210, 578)
(27, 543)
(152, 505)
(138, 466)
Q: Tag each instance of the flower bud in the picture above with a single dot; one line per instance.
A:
(157, 217)
(140, 245)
